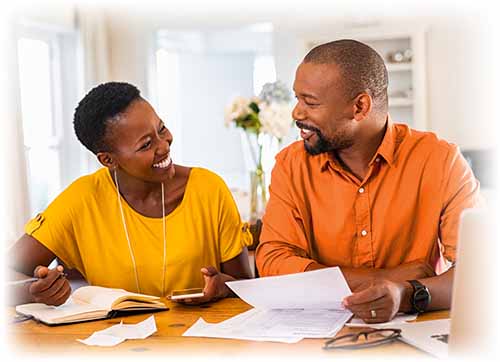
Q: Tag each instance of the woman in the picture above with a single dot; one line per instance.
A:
(141, 223)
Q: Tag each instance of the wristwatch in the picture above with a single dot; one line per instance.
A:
(421, 297)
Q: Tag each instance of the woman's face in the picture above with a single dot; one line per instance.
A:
(140, 143)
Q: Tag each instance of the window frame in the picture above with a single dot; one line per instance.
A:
(61, 41)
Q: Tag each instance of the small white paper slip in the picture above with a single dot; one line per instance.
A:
(398, 319)
(101, 340)
(120, 332)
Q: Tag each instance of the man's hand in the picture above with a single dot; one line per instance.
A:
(52, 288)
(215, 287)
(417, 269)
(377, 301)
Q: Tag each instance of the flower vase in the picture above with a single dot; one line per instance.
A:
(258, 194)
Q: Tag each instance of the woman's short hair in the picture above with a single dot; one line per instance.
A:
(100, 107)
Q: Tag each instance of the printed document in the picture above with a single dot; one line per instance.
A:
(286, 308)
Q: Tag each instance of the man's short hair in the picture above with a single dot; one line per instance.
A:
(362, 68)
(98, 108)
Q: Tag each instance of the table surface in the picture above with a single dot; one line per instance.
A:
(31, 337)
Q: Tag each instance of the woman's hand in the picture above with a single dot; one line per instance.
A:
(52, 288)
(215, 287)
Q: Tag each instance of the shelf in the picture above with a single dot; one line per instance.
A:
(400, 102)
(399, 67)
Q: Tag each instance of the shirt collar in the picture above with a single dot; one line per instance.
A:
(387, 146)
(385, 150)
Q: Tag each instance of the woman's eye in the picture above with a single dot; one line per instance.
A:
(163, 129)
(146, 145)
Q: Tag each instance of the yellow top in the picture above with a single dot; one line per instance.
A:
(84, 229)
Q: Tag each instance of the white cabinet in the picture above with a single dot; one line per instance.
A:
(407, 77)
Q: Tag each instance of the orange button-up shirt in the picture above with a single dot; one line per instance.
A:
(407, 207)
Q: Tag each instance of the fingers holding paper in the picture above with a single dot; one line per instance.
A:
(376, 301)
(52, 288)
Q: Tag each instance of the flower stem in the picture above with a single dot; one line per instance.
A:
(252, 152)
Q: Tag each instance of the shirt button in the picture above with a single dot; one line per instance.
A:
(377, 159)
(364, 232)
(361, 190)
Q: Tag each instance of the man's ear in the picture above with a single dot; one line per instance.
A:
(362, 106)
(107, 160)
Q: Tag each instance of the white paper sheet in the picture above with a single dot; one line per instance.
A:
(203, 329)
(398, 319)
(277, 325)
(318, 289)
(120, 332)
(288, 308)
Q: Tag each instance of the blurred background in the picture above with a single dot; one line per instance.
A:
(190, 59)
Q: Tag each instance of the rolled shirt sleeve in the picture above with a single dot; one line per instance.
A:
(460, 192)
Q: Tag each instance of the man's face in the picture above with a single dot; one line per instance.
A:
(140, 143)
(323, 112)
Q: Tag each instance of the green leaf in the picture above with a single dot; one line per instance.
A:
(254, 107)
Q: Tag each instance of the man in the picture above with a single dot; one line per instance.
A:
(378, 199)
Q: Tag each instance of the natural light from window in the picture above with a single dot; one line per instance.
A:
(167, 73)
(264, 71)
(39, 128)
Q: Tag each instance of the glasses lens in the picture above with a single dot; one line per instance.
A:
(363, 339)
(344, 341)
(378, 335)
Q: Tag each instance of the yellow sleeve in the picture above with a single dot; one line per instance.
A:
(54, 227)
(234, 234)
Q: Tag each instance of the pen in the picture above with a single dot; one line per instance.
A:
(30, 280)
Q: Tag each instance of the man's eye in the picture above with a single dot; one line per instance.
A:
(310, 104)
(146, 145)
(163, 128)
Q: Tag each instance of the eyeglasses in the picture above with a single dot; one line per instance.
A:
(372, 338)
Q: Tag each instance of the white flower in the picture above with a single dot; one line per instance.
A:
(276, 119)
(238, 108)
(276, 92)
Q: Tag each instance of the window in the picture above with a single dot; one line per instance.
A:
(48, 95)
(167, 92)
(264, 72)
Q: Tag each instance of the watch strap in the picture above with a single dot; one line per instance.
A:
(417, 287)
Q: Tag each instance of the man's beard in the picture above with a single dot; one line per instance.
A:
(323, 144)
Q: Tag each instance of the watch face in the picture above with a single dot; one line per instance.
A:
(421, 299)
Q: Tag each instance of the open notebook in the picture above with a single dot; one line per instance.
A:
(91, 303)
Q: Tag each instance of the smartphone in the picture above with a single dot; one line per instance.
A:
(187, 293)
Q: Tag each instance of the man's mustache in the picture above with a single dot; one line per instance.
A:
(302, 125)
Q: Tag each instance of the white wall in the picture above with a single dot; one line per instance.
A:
(461, 84)
(208, 83)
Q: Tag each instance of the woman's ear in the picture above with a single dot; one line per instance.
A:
(106, 160)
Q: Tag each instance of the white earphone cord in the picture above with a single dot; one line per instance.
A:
(126, 233)
(164, 238)
(163, 271)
